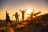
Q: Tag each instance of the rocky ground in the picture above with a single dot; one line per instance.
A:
(38, 24)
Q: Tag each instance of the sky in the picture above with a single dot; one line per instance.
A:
(13, 6)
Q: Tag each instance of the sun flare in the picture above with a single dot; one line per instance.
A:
(28, 11)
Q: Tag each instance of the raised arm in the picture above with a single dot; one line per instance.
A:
(26, 9)
(20, 10)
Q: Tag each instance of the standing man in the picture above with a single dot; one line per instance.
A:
(16, 16)
(23, 12)
(7, 18)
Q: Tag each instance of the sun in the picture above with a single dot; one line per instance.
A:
(28, 11)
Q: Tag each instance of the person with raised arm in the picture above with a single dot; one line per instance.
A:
(23, 13)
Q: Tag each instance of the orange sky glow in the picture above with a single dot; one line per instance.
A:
(13, 6)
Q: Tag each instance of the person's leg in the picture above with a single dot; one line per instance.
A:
(18, 19)
(10, 22)
(6, 23)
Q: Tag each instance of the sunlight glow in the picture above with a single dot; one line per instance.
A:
(28, 11)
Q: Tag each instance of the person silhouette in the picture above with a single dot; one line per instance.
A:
(23, 12)
(31, 15)
(7, 18)
(16, 16)
(34, 14)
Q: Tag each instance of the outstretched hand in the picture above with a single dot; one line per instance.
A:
(13, 15)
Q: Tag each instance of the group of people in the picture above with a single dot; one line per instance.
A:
(17, 15)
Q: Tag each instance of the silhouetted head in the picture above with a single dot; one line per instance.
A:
(6, 11)
(16, 12)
